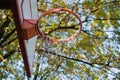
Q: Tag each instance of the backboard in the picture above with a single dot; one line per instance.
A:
(25, 15)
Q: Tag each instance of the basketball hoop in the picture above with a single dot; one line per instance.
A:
(57, 41)
(26, 21)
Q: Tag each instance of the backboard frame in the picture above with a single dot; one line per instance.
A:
(25, 41)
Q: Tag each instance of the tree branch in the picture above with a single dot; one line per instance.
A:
(66, 57)
(78, 60)
(108, 19)
(4, 25)
(7, 36)
(9, 42)
(8, 55)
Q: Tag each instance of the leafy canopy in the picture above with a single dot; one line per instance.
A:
(94, 54)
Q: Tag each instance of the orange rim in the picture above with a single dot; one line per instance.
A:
(57, 41)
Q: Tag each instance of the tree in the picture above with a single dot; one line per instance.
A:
(94, 54)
